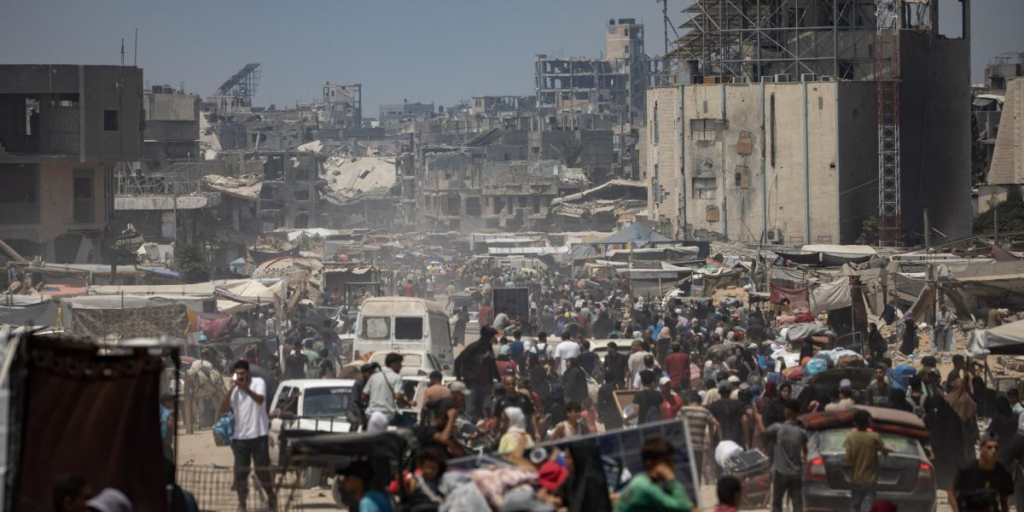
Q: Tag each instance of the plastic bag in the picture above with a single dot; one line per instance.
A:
(814, 367)
(224, 430)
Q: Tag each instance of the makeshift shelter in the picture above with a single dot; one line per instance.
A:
(1006, 339)
(636, 233)
(252, 292)
(829, 255)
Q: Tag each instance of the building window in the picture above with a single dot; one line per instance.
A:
(705, 129)
(743, 177)
(19, 197)
(712, 213)
(657, 137)
(110, 121)
(84, 210)
(704, 188)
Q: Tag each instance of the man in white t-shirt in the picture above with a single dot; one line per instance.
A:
(566, 350)
(247, 399)
(384, 391)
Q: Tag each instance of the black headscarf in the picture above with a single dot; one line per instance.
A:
(587, 488)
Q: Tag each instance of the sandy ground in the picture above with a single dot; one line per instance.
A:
(199, 450)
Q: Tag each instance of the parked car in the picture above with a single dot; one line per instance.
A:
(906, 475)
(308, 405)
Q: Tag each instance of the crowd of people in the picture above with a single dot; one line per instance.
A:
(559, 375)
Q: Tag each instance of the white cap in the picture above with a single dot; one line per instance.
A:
(734, 379)
(845, 383)
(664, 380)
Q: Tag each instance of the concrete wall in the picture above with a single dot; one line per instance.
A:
(56, 220)
(171, 107)
(663, 171)
(97, 89)
(759, 157)
(1008, 156)
(935, 134)
(858, 157)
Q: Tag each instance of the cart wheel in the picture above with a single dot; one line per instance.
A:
(336, 492)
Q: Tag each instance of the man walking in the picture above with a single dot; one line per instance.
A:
(945, 340)
(863, 451)
(789, 452)
(249, 445)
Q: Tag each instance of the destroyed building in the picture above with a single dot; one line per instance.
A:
(996, 101)
(612, 87)
(467, 193)
(289, 195)
(394, 116)
(778, 142)
(65, 130)
(172, 128)
(344, 104)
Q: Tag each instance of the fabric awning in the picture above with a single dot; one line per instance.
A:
(1003, 340)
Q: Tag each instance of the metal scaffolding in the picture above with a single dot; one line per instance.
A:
(887, 72)
(242, 84)
(750, 39)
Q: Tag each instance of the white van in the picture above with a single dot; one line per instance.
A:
(404, 323)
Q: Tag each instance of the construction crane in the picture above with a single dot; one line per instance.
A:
(889, 20)
(242, 84)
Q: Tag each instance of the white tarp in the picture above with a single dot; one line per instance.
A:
(253, 291)
(1005, 339)
(829, 296)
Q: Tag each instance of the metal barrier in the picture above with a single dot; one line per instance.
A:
(213, 488)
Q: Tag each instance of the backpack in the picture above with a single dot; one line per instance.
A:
(224, 430)
(653, 415)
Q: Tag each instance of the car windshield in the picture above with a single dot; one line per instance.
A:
(831, 441)
(326, 401)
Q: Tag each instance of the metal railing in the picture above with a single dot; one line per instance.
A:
(180, 179)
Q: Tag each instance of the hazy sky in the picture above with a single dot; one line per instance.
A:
(420, 50)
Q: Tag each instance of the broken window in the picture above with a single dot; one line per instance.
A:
(453, 205)
(704, 188)
(536, 204)
(302, 195)
(656, 136)
(743, 176)
(19, 197)
(110, 121)
(473, 206)
(84, 208)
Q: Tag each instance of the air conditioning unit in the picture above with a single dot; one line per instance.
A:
(808, 77)
(774, 236)
(767, 79)
(782, 79)
(828, 78)
(740, 80)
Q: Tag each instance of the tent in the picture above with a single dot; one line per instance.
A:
(637, 232)
(1003, 340)
(252, 291)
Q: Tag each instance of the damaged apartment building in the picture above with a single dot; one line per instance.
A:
(460, 192)
(65, 129)
(772, 135)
